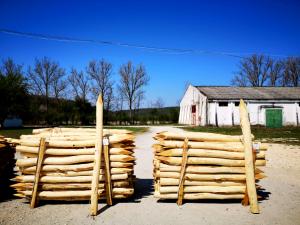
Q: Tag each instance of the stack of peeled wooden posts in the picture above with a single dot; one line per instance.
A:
(67, 167)
(197, 165)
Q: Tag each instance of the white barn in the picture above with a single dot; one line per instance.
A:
(218, 106)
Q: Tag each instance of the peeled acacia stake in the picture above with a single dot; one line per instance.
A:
(67, 170)
(98, 155)
(205, 169)
(175, 181)
(77, 193)
(197, 196)
(208, 161)
(60, 179)
(65, 160)
(226, 146)
(71, 151)
(38, 172)
(249, 165)
(205, 189)
(208, 153)
(194, 136)
(67, 186)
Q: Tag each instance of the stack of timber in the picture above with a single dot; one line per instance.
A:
(196, 165)
(66, 168)
(7, 164)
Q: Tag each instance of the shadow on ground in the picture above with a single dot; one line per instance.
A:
(143, 189)
(7, 164)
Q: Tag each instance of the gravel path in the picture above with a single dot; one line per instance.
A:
(282, 207)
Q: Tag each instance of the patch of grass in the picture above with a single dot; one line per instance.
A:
(287, 135)
(133, 129)
(15, 133)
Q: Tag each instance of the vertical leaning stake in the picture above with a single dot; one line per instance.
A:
(249, 167)
(107, 171)
(98, 154)
(39, 164)
(182, 171)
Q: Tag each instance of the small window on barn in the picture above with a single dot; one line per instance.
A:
(236, 103)
(299, 103)
(223, 104)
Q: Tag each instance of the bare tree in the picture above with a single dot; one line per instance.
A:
(276, 72)
(100, 73)
(253, 71)
(59, 88)
(139, 99)
(159, 103)
(291, 75)
(80, 84)
(133, 80)
(119, 101)
(44, 78)
(109, 98)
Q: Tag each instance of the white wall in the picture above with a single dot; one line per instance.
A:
(229, 115)
(191, 97)
(257, 112)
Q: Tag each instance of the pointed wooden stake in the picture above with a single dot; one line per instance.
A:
(39, 164)
(249, 160)
(182, 173)
(98, 155)
(107, 172)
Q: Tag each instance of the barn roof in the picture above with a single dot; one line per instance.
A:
(250, 93)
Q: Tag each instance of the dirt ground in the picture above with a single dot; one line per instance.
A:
(282, 207)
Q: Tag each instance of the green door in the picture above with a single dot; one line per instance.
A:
(274, 118)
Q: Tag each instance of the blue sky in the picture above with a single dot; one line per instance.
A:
(233, 26)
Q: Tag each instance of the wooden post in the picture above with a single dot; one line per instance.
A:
(182, 172)
(107, 172)
(39, 164)
(98, 155)
(249, 161)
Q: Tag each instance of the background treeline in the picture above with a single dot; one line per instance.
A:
(46, 93)
(261, 70)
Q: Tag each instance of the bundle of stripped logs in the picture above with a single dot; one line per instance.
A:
(67, 167)
(195, 165)
(76, 164)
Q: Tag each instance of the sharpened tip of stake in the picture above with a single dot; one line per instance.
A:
(99, 100)
(242, 102)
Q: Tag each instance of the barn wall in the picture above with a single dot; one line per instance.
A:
(210, 113)
(229, 115)
(191, 97)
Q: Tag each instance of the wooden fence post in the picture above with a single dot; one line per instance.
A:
(40, 159)
(98, 155)
(182, 172)
(249, 161)
(107, 172)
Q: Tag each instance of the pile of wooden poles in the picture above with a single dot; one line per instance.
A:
(195, 165)
(67, 167)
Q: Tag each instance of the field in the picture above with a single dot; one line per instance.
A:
(284, 135)
(15, 133)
